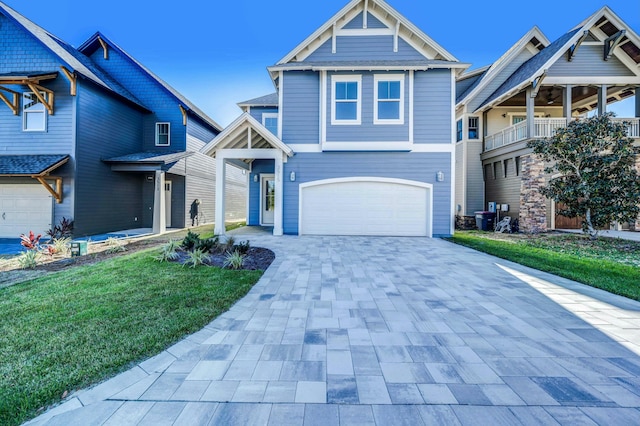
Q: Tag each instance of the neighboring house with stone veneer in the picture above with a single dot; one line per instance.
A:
(533, 89)
(92, 135)
(358, 138)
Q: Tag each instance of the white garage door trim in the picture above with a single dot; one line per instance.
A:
(24, 208)
(403, 182)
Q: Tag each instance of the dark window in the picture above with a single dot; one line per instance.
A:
(518, 165)
(473, 127)
(459, 130)
(506, 168)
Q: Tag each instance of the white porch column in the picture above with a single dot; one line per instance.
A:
(566, 101)
(602, 99)
(531, 106)
(159, 212)
(221, 171)
(278, 213)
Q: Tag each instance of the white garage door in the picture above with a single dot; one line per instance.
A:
(24, 208)
(365, 206)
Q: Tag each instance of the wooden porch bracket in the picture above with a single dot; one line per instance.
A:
(395, 36)
(573, 49)
(184, 115)
(611, 43)
(105, 48)
(46, 100)
(73, 79)
(537, 84)
(57, 192)
(14, 103)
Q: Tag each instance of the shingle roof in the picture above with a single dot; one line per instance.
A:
(266, 100)
(528, 70)
(478, 78)
(29, 165)
(150, 157)
(74, 59)
(190, 106)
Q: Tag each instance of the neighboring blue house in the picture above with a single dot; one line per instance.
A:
(359, 138)
(92, 135)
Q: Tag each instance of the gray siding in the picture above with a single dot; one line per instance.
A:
(236, 195)
(301, 108)
(356, 23)
(420, 167)
(497, 80)
(105, 200)
(177, 201)
(432, 107)
(475, 183)
(365, 48)
(460, 175)
(503, 190)
(200, 184)
(367, 131)
(589, 61)
(200, 134)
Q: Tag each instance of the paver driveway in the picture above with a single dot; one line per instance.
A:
(389, 331)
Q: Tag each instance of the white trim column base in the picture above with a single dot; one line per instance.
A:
(221, 170)
(278, 213)
(159, 212)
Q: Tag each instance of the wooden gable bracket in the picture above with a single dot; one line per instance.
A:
(105, 48)
(573, 49)
(46, 100)
(184, 115)
(364, 14)
(537, 84)
(73, 79)
(333, 38)
(57, 192)
(611, 43)
(395, 36)
(14, 104)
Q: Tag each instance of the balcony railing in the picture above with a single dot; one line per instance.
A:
(543, 128)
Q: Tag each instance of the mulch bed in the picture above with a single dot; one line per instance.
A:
(257, 258)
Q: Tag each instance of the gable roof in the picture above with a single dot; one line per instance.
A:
(75, 60)
(349, 12)
(89, 46)
(538, 64)
(266, 100)
(494, 69)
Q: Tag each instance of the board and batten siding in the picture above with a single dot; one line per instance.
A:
(367, 131)
(301, 108)
(421, 167)
(152, 95)
(589, 61)
(105, 200)
(497, 80)
(365, 48)
(474, 181)
(432, 107)
(258, 167)
(372, 22)
(501, 189)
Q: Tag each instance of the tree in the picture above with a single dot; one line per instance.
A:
(592, 162)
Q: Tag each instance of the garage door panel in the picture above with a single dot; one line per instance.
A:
(24, 208)
(365, 208)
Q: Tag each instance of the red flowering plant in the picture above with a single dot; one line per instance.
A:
(30, 242)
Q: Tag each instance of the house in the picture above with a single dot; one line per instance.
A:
(92, 135)
(529, 92)
(358, 138)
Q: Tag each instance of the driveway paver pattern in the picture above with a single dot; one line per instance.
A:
(346, 330)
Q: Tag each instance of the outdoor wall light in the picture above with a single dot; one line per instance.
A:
(255, 178)
(440, 176)
(292, 176)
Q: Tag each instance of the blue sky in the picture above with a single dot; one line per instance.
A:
(216, 52)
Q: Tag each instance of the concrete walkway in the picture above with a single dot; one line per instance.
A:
(388, 331)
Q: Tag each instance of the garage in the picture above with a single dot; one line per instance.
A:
(366, 206)
(24, 208)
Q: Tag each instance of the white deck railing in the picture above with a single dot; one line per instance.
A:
(544, 128)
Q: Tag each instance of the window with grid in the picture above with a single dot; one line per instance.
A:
(163, 134)
(389, 99)
(346, 105)
(473, 127)
(34, 113)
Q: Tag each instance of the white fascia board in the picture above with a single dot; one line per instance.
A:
(347, 67)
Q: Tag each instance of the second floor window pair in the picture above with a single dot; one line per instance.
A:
(388, 99)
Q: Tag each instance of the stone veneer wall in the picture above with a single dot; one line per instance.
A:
(533, 205)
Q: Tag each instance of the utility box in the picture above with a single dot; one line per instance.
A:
(78, 248)
(485, 220)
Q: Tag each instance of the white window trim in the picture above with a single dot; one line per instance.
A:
(168, 134)
(341, 79)
(388, 77)
(271, 115)
(24, 115)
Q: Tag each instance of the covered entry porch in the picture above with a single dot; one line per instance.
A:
(243, 143)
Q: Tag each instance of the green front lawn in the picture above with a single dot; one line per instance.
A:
(609, 264)
(68, 330)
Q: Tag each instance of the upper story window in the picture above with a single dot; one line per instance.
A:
(346, 93)
(34, 113)
(270, 121)
(163, 134)
(473, 127)
(459, 130)
(389, 99)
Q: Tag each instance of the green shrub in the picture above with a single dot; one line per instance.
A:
(168, 252)
(190, 241)
(28, 259)
(234, 260)
(115, 245)
(196, 258)
(229, 243)
(207, 245)
(61, 245)
(243, 247)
